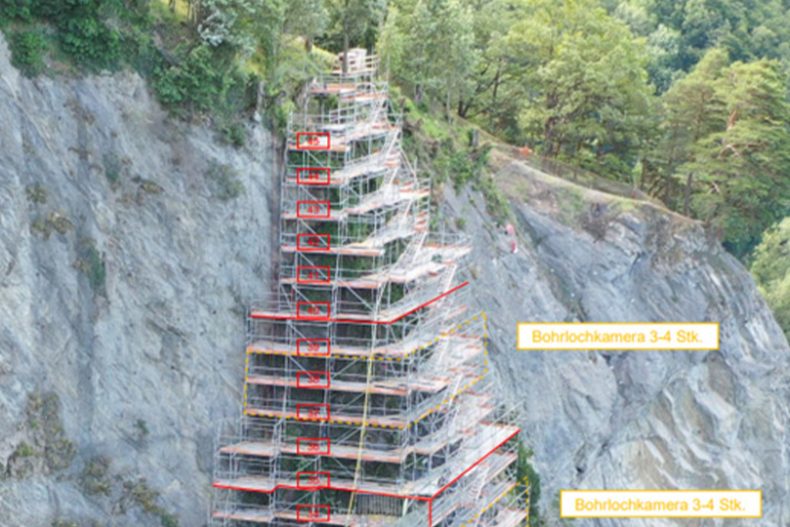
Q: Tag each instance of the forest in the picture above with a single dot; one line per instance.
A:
(685, 100)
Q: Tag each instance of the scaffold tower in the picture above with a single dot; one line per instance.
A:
(367, 400)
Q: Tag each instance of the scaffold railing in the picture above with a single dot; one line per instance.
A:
(358, 376)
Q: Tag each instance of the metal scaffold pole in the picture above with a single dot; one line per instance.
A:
(366, 394)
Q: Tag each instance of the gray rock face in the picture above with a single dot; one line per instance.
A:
(631, 420)
(123, 293)
(133, 315)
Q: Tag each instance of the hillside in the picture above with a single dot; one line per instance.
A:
(639, 419)
(130, 244)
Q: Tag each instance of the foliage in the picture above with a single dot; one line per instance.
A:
(229, 22)
(353, 23)
(195, 84)
(224, 182)
(112, 169)
(91, 263)
(94, 478)
(89, 41)
(771, 270)
(589, 100)
(15, 10)
(52, 222)
(428, 47)
(27, 51)
(24, 450)
(141, 494)
(37, 194)
(526, 475)
(45, 425)
(726, 143)
(681, 31)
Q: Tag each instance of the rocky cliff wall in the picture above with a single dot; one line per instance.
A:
(664, 420)
(130, 245)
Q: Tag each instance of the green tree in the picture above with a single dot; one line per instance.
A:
(588, 97)
(746, 29)
(690, 111)
(354, 22)
(495, 89)
(741, 168)
(428, 46)
(308, 19)
(771, 270)
(27, 51)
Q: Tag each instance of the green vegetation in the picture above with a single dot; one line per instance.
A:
(24, 450)
(223, 182)
(28, 49)
(528, 479)
(36, 194)
(723, 154)
(445, 146)
(685, 100)
(95, 477)
(141, 430)
(771, 270)
(140, 494)
(91, 264)
(112, 169)
(45, 427)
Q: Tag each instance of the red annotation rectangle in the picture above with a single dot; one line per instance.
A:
(313, 412)
(307, 243)
(313, 210)
(306, 512)
(313, 347)
(313, 274)
(312, 310)
(312, 480)
(313, 175)
(313, 446)
(313, 141)
(312, 380)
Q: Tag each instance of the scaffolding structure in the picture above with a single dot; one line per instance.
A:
(367, 400)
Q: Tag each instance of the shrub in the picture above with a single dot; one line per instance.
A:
(27, 51)
(224, 182)
(168, 520)
(771, 270)
(90, 42)
(143, 495)
(234, 134)
(91, 263)
(141, 430)
(46, 426)
(112, 169)
(94, 478)
(36, 194)
(54, 221)
(24, 450)
(15, 10)
(527, 475)
(141, 53)
(196, 84)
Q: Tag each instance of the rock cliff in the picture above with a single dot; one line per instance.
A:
(131, 243)
(663, 420)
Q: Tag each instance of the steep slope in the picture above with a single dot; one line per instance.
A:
(639, 419)
(133, 315)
